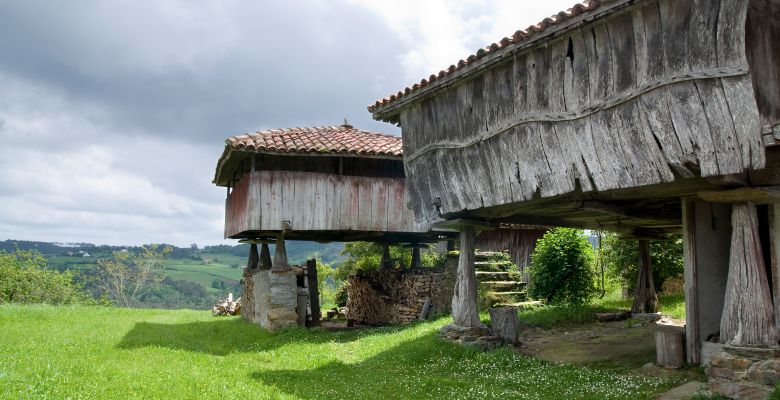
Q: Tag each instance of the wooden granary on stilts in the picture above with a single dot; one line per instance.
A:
(333, 183)
(643, 117)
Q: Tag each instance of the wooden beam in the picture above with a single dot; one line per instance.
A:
(690, 279)
(458, 224)
(416, 260)
(464, 299)
(757, 195)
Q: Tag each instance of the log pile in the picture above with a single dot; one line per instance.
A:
(227, 306)
(398, 297)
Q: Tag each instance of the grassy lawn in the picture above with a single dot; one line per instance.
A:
(555, 316)
(95, 352)
(195, 271)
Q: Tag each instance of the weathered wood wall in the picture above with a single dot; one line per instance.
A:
(263, 200)
(655, 92)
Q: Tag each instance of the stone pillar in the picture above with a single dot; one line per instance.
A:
(464, 299)
(645, 300)
(265, 256)
(706, 241)
(248, 303)
(254, 258)
(748, 313)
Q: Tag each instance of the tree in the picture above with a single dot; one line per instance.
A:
(24, 278)
(561, 267)
(126, 277)
(365, 256)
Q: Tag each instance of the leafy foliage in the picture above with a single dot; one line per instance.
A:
(25, 279)
(561, 267)
(621, 258)
(365, 256)
(127, 277)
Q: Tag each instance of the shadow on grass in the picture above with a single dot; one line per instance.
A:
(224, 336)
(402, 371)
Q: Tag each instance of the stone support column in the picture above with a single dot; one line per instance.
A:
(265, 262)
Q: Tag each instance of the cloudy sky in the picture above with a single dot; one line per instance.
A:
(113, 113)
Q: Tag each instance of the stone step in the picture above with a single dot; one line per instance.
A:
(497, 276)
(522, 304)
(502, 284)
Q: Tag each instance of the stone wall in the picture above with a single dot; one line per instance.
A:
(744, 372)
(389, 296)
(270, 297)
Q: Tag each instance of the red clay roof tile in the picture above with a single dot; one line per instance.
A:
(342, 139)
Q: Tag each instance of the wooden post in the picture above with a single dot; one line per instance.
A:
(646, 300)
(385, 261)
(254, 259)
(691, 278)
(416, 261)
(280, 255)
(748, 313)
(314, 292)
(503, 320)
(464, 299)
(265, 256)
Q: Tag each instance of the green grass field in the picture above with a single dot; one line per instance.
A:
(50, 352)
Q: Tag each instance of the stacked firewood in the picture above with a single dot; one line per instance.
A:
(387, 296)
(227, 306)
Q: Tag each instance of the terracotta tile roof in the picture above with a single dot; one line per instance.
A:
(521, 36)
(343, 139)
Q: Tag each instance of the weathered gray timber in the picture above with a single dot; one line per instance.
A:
(623, 102)
(503, 321)
(464, 299)
(748, 314)
(645, 299)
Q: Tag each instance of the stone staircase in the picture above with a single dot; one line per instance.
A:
(500, 283)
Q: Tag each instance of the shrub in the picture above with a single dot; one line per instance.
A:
(561, 267)
(25, 279)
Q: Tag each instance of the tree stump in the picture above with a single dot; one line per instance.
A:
(669, 344)
(748, 313)
(503, 320)
(646, 300)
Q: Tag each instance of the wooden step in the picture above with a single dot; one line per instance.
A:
(493, 273)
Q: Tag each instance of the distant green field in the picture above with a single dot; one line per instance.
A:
(195, 271)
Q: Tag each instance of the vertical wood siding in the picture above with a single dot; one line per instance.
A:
(263, 200)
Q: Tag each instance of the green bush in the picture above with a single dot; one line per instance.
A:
(25, 279)
(561, 267)
(621, 258)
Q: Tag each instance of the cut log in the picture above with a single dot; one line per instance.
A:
(464, 299)
(748, 313)
(503, 320)
(646, 300)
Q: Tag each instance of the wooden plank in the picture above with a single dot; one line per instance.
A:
(640, 45)
(621, 39)
(600, 58)
(578, 87)
(365, 188)
(739, 96)
(379, 205)
(730, 33)
(314, 292)
(655, 113)
(690, 124)
(556, 76)
(675, 20)
(702, 33)
(655, 67)
(727, 149)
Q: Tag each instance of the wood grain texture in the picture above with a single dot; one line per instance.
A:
(658, 92)
(748, 313)
(309, 201)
